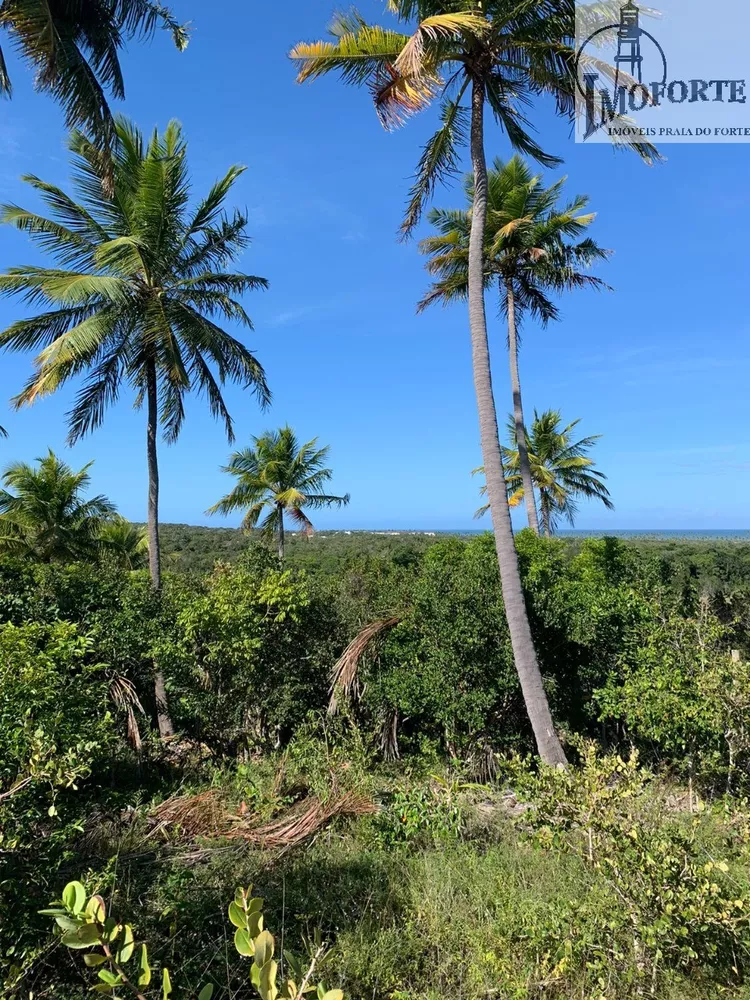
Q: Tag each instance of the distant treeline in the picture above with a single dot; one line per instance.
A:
(721, 564)
(196, 548)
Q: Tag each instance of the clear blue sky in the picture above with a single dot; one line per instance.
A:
(659, 367)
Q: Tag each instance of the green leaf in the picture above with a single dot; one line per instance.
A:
(67, 923)
(267, 984)
(263, 949)
(111, 929)
(166, 984)
(334, 995)
(71, 940)
(89, 934)
(244, 943)
(127, 947)
(96, 909)
(255, 904)
(109, 977)
(93, 959)
(255, 924)
(144, 975)
(207, 992)
(237, 915)
(74, 896)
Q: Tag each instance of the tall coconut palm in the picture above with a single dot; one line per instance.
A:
(497, 52)
(124, 543)
(532, 247)
(277, 476)
(138, 295)
(45, 515)
(561, 470)
(73, 48)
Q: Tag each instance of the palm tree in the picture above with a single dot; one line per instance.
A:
(44, 513)
(278, 476)
(497, 52)
(135, 300)
(124, 543)
(73, 48)
(528, 253)
(561, 470)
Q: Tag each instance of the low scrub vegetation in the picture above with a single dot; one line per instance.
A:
(387, 810)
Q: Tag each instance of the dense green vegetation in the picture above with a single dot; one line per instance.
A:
(619, 876)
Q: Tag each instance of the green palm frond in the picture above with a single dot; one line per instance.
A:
(124, 543)
(440, 159)
(359, 51)
(74, 48)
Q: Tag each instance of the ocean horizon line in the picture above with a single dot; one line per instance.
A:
(738, 533)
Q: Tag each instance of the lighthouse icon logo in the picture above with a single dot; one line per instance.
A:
(629, 37)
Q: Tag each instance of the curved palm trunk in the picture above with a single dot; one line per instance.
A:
(154, 552)
(550, 749)
(281, 533)
(515, 382)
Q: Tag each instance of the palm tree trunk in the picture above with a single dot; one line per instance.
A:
(154, 552)
(546, 518)
(281, 533)
(515, 382)
(550, 749)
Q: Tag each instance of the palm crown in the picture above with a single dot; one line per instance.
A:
(561, 470)
(515, 49)
(74, 50)
(43, 511)
(277, 475)
(530, 241)
(140, 285)
(124, 543)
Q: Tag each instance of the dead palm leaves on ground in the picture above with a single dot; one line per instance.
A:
(206, 815)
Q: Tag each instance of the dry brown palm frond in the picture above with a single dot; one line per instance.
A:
(202, 815)
(123, 693)
(17, 787)
(398, 97)
(206, 815)
(303, 820)
(389, 735)
(344, 673)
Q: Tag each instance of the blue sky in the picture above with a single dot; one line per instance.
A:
(659, 367)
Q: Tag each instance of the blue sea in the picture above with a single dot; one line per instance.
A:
(728, 534)
(685, 534)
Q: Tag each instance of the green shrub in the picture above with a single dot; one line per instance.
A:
(56, 734)
(246, 659)
(123, 964)
(676, 905)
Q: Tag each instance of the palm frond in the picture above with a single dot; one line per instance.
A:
(440, 160)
